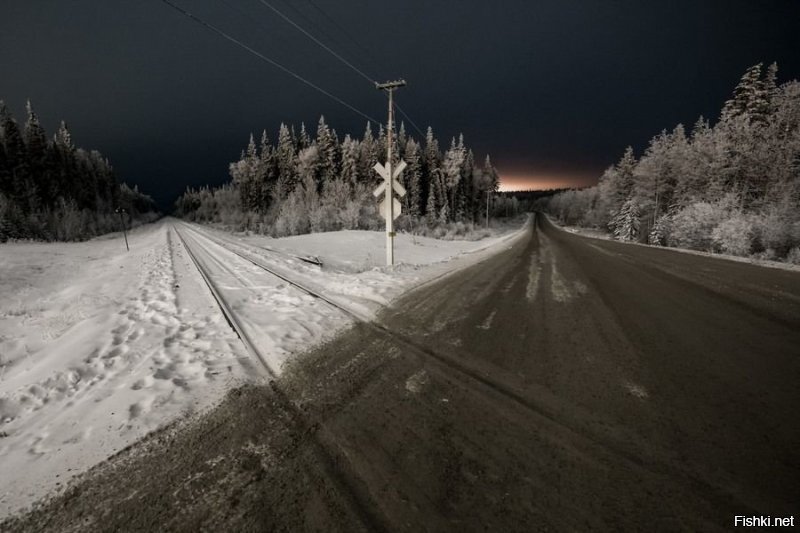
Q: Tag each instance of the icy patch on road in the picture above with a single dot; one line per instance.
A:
(558, 285)
(561, 289)
(488, 322)
(534, 273)
(417, 382)
(636, 390)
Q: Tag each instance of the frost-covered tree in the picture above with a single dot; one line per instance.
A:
(432, 168)
(625, 223)
(286, 159)
(265, 177)
(328, 163)
(303, 139)
(745, 95)
(452, 168)
(368, 155)
(431, 216)
(413, 179)
(657, 174)
(350, 157)
(660, 232)
(51, 190)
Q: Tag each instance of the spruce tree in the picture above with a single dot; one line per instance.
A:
(380, 144)
(6, 184)
(303, 140)
(747, 96)
(286, 162)
(624, 175)
(467, 202)
(18, 185)
(625, 223)
(413, 178)
(36, 152)
(401, 141)
(326, 146)
(267, 171)
(368, 155)
(350, 155)
(430, 208)
(494, 177)
(432, 173)
(452, 168)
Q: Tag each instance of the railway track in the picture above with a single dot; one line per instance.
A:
(332, 458)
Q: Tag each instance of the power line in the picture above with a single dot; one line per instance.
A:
(413, 124)
(310, 21)
(337, 56)
(344, 32)
(320, 43)
(264, 58)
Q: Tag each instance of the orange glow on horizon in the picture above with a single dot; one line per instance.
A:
(524, 182)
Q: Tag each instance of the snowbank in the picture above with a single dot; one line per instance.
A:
(602, 235)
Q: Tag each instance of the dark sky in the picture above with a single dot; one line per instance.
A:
(553, 90)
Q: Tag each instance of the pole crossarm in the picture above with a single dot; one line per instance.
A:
(389, 85)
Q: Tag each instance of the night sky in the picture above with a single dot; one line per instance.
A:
(553, 90)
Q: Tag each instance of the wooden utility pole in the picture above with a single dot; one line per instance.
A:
(390, 207)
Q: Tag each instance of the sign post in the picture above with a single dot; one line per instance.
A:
(390, 208)
(121, 211)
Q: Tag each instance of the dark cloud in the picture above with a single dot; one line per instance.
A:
(548, 88)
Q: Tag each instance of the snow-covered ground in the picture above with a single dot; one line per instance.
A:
(604, 235)
(99, 346)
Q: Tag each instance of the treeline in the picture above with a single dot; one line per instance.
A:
(732, 188)
(303, 184)
(51, 190)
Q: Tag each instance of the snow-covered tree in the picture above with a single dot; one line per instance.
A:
(350, 156)
(286, 162)
(412, 177)
(328, 160)
(625, 223)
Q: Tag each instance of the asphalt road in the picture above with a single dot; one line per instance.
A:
(565, 383)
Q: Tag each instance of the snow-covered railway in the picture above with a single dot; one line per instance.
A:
(325, 448)
(227, 312)
(236, 249)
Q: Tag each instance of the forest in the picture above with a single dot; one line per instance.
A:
(303, 184)
(732, 187)
(50, 190)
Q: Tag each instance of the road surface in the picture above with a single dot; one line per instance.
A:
(565, 383)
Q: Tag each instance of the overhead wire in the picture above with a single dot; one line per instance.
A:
(336, 55)
(413, 124)
(320, 30)
(320, 43)
(343, 31)
(261, 56)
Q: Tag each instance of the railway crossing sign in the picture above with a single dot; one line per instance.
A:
(390, 207)
(384, 171)
(396, 208)
(397, 187)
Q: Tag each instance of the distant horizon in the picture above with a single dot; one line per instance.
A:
(542, 181)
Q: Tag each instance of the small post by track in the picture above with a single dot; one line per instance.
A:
(121, 211)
